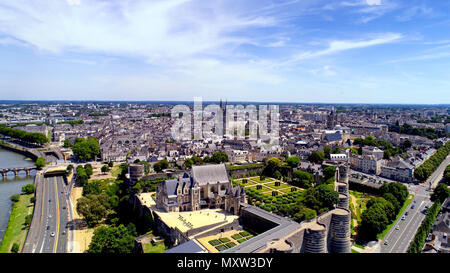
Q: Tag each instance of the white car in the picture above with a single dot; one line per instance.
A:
(403, 217)
(397, 227)
(52, 234)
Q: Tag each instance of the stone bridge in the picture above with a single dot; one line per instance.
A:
(16, 171)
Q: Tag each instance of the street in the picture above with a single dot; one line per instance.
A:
(49, 233)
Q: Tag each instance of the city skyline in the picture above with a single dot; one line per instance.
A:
(337, 52)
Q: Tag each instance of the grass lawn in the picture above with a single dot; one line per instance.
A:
(263, 188)
(249, 182)
(224, 240)
(214, 242)
(288, 190)
(358, 246)
(16, 231)
(157, 248)
(400, 213)
(282, 185)
(267, 179)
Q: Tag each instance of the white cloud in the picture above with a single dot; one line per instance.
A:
(344, 45)
(74, 2)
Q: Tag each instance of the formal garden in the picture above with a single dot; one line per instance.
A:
(224, 243)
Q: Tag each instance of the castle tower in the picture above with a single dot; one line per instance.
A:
(340, 231)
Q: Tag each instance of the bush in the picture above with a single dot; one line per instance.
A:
(15, 248)
(28, 189)
(15, 197)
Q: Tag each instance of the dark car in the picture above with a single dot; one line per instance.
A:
(412, 207)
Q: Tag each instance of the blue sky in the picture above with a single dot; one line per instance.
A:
(346, 51)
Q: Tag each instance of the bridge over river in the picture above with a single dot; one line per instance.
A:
(16, 171)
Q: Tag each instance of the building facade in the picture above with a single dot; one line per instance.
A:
(207, 186)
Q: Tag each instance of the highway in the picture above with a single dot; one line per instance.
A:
(48, 232)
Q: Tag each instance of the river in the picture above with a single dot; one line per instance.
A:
(11, 185)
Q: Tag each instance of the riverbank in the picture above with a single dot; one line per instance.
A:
(17, 230)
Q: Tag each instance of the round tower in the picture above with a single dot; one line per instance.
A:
(340, 231)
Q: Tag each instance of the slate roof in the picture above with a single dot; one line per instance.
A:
(186, 247)
(209, 174)
(334, 136)
(171, 185)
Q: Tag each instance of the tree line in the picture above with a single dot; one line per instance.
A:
(424, 171)
(383, 210)
(35, 138)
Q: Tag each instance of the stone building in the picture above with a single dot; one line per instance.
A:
(207, 186)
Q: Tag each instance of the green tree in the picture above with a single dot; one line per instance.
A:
(398, 190)
(161, 165)
(28, 189)
(219, 157)
(88, 169)
(40, 163)
(15, 248)
(92, 209)
(293, 161)
(329, 172)
(336, 150)
(105, 168)
(302, 179)
(110, 164)
(111, 240)
(15, 198)
(28, 220)
(188, 163)
(67, 143)
(327, 151)
(316, 157)
(373, 221)
(440, 193)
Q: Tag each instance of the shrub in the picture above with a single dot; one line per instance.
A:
(15, 248)
(15, 197)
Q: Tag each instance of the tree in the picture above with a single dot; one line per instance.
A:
(86, 149)
(302, 179)
(441, 192)
(219, 157)
(105, 168)
(111, 164)
(28, 220)
(28, 189)
(386, 206)
(15, 198)
(391, 198)
(161, 165)
(327, 195)
(336, 150)
(293, 161)
(67, 143)
(398, 190)
(112, 240)
(40, 163)
(15, 248)
(188, 163)
(329, 172)
(373, 221)
(273, 165)
(92, 209)
(88, 169)
(316, 157)
(327, 151)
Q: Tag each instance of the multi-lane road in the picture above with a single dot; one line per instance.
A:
(403, 231)
(49, 228)
(398, 240)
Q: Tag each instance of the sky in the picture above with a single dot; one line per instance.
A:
(344, 51)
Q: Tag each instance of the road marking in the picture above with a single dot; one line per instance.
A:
(57, 211)
(407, 225)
